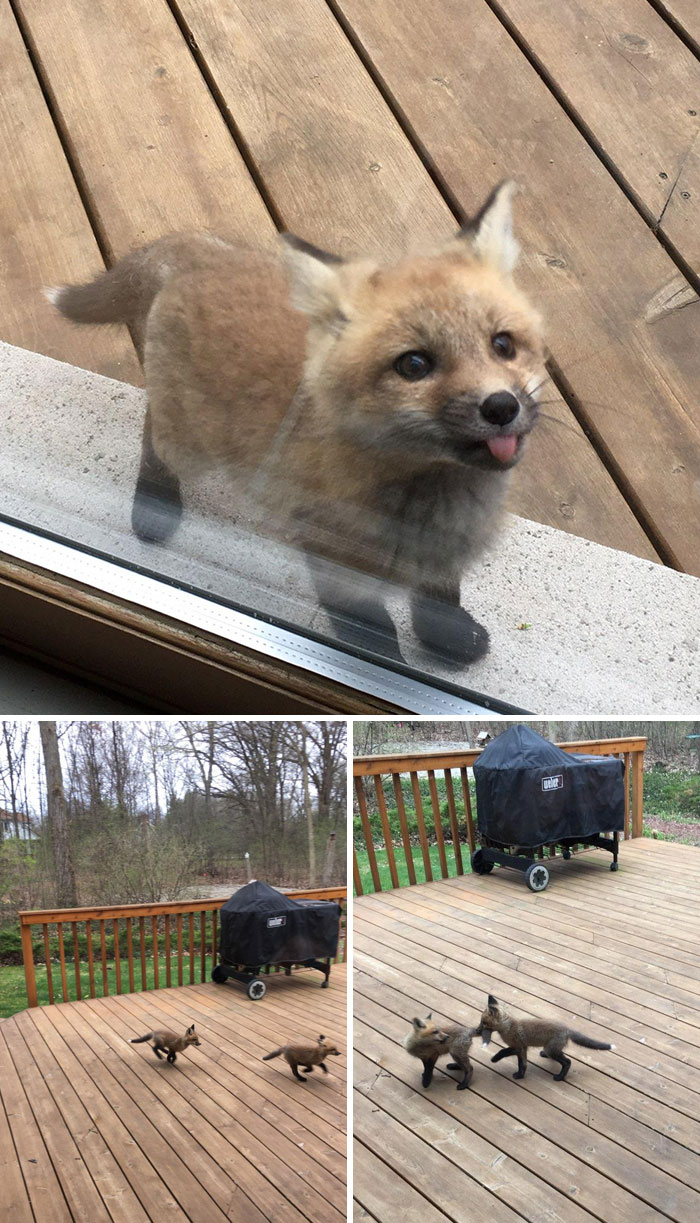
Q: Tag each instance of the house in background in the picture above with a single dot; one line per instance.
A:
(15, 825)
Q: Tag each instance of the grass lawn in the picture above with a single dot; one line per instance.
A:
(13, 993)
(402, 869)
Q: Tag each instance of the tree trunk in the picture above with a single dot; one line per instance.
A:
(57, 816)
(307, 808)
(329, 862)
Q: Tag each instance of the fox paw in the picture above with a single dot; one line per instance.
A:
(519, 1074)
(449, 631)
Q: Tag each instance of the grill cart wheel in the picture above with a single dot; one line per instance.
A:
(479, 866)
(537, 877)
(219, 974)
(614, 866)
(256, 989)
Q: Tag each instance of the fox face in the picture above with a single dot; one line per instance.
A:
(490, 1020)
(329, 1050)
(191, 1037)
(425, 1032)
(435, 355)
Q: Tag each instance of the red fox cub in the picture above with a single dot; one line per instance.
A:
(521, 1034)
(306, 1056)
(168, 1040)
(429, 1042)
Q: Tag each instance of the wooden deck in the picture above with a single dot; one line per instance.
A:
(372, 125)
(92, 1127)
(617, 956)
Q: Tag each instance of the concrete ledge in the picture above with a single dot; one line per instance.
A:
(608, 633)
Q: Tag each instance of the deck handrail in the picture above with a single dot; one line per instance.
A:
(394, 765)
(156, 911)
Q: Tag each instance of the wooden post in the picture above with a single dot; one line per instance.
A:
(28, 957)
(637, 793)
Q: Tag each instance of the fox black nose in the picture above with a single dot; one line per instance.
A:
(500, 408)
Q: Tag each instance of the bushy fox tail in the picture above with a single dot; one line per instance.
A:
(275, 1053)
(124, 294)
(138, 1040)
(579, 1039)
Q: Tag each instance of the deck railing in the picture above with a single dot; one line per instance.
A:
(184, 930)
(371, 772)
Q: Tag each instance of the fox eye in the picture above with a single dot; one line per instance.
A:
(414, 365)
(503, 345)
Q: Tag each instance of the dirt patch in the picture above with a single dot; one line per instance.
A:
(688, 832)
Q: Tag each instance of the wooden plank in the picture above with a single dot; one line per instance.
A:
(16, 1203)
(203, 944)
(45, 234)
(142, 951)
(420, 820)
(154, 933)
(403, 824)
(103, 958)
(381, 803)
(168, 973)
(178, 929)
(685, 14)
(367, 832)
(637, 794)
(388, 1192)
(590, 261)
(190, 927)
(166, 138)
(634, 85)
(454, 823)
(365, 766)
(437, 818)
(328, 148)
(107, 912)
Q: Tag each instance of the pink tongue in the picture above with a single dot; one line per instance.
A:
(503, 448)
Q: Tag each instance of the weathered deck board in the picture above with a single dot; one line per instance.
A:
(93, 1127)
(343, 174)
(636, 88)
(620, 1139)
(45, 234)
(589, 258)
(686, 14)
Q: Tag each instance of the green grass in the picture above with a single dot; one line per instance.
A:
(13, 993)
(402, 869)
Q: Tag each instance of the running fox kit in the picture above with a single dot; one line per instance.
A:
(306, 1056)
(522, 1034)
(168, 1041)
(371, 411)
(428, 1041)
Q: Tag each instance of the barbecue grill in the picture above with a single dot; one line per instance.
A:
(263, 928)
(531, 794)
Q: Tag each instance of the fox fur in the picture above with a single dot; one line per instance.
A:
(371, 411)
(522, 1034)
(306, 1056)
(430, 1041)
(169, 1041)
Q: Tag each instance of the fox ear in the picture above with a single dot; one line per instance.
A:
(493, 1004)
(321, 1038)
(490, 231)
(190, 1030)
(418, 1023)
(313, 277)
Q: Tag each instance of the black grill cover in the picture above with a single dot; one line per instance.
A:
(260, 925)
(530, 792)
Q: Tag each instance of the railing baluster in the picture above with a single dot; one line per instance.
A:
(637, 793)
(142, 941)
(467, 809)
(103, 950)
(384, 816)
(454, 823)
(178, 926)
(168, 978)
(47, 957)
(435, 803)
(91, 959)
(154, 933)
(627, 795)
(130, 954)
(420, 820)
(62, 962)
(203, 943)
(403, 824)
(117, 956)
(76, 961)
(356, 877)
(367, 829)
(213, 937)
(191, 924)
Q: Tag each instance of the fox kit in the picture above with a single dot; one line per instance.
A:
(372, 412)
(306, 1056)
(520, 1034)
(168, 1040)
(428, 1041)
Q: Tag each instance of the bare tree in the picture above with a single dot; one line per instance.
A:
(57, 817)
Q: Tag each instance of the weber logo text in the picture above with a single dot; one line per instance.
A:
(553, 783)
(276, 921)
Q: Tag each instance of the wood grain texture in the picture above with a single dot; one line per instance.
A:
(686, 14)
(45, 234)
(343, 174)
(151, 147)
(110, 1133)
(622, 1142)
(636, 87)
(589, 259)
